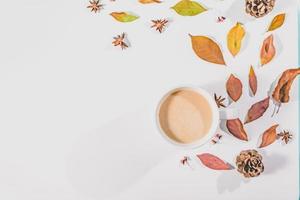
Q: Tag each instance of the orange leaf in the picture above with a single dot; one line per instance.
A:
(234, 88)
(149, 1)
(236, 128)
(206, 49)
(124, 16)
(257, 110)
(267, 51)
(269, 136)
(213, 162)
(277, 22)
(252, 81)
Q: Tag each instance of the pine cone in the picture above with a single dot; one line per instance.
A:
(259, 8)
(249, 163)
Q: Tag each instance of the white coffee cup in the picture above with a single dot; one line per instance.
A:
(217, 115)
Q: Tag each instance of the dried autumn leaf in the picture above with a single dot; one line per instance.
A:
(206, 49)
(269, 136)
(234, 39)
(123, 16)
(252, 81)
(281, 93)
(234, 88)
(267, 51)
(236, 128)
(188, 8)
(277, 22)
(257, 110)
(149, 1)
(213, 162)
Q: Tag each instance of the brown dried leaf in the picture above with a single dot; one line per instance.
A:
(267, 51)
(281, 93)
(206, 49)
(269, 136)
(236, 128)
(277, 22)
(234, 88)
(252, 81)
(213, 162)
(257, 110)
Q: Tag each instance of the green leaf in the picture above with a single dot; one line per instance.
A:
(123, 16)
(188, 8)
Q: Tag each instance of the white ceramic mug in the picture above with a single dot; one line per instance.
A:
(217, 115)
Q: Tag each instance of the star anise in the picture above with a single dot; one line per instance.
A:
(119, 41)
(95, 6)
(219, 101)
(285, 136)
(159, 24)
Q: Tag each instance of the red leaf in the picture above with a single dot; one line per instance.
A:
(257, 110)
(234, 88)
(213, 162)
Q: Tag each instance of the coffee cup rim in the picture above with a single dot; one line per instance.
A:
(214, 124)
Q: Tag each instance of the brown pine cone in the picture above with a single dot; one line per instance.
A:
(249, 163)
(259, 8)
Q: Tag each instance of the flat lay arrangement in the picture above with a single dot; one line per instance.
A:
(185, 115)
(150, 100)
(177, 116)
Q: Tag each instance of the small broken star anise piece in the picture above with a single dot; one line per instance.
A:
(221, 19)
(219, 101)
(285, 136)
(95, 6)
(159, 24)
(119, 41)
(216, 139)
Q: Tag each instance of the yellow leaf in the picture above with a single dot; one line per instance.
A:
(234, 39)
(123, 16)
(149, 1)
(206, 49)
(267, 51)
(188, 8)
(277, 22)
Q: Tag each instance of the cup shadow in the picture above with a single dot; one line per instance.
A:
(104, 163)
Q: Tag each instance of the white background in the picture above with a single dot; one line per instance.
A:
(77, 114)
